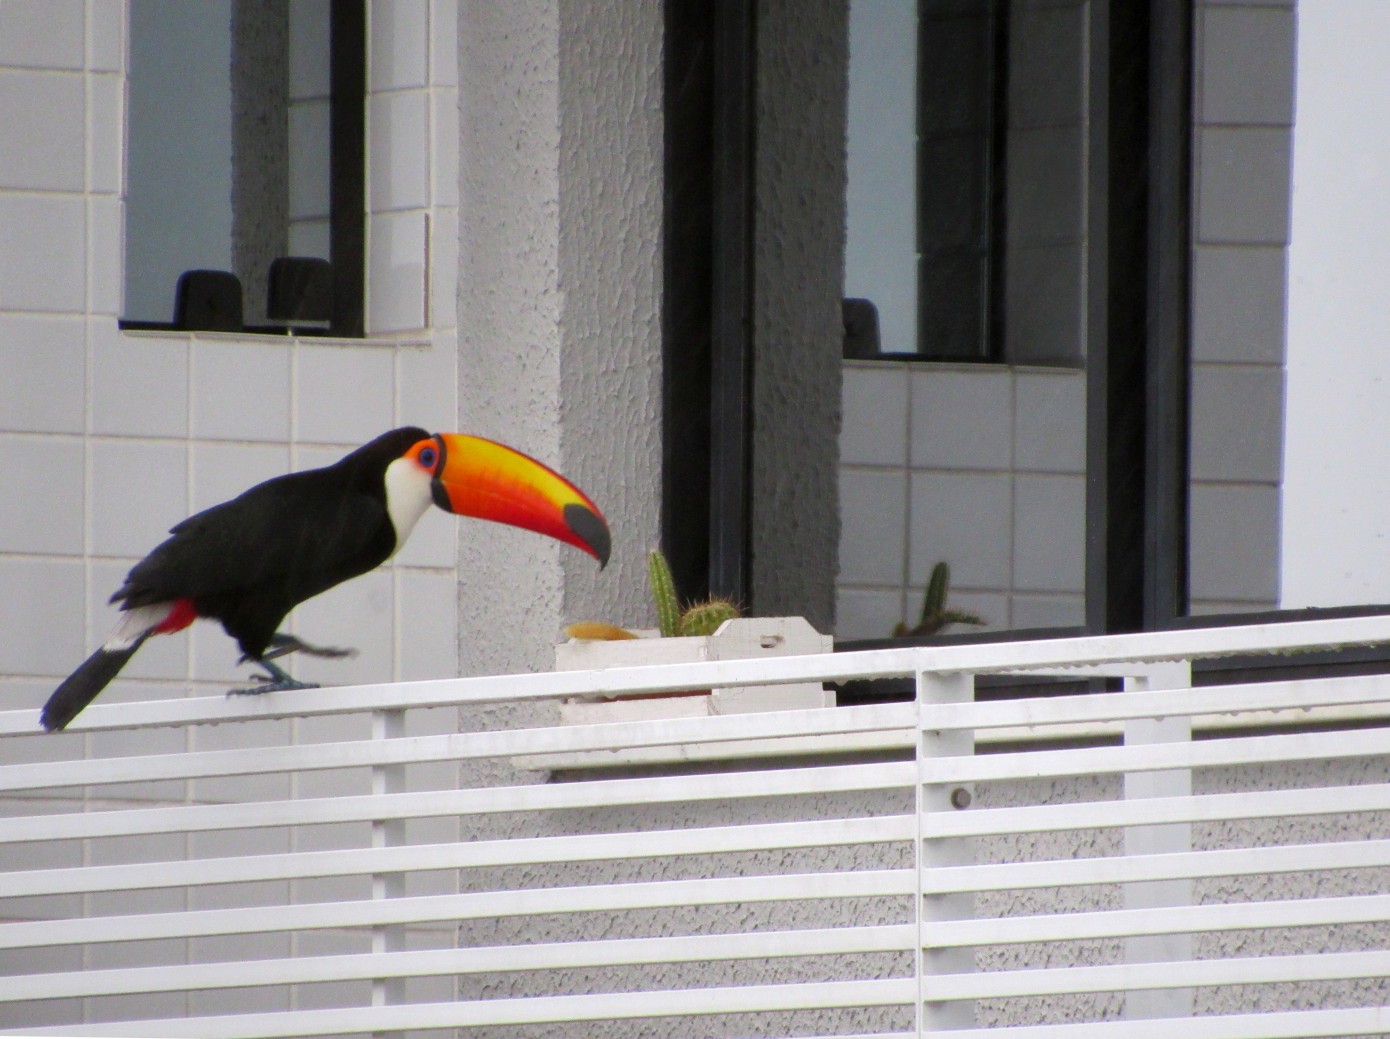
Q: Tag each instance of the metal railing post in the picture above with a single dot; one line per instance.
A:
(936, 1015)
(1159, 839)
(387, 779)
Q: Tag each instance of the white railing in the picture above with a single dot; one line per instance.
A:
(343, 861)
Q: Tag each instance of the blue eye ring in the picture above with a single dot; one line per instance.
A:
(428, 457)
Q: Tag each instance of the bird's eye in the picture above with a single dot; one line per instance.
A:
(428, 456)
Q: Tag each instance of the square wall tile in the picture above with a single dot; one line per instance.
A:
(105, 132)
(1238, 305)
(105, 35)
(44, 111)
(1045, 185)
(43, 481)
(105, 285)
(1050, 421)
(41, 629)
(444, 49)
(45, 365)
(1046, 66)
(139, 383)
(444, 132)
(1050, 533)
(427, 605)
(873, 426)
(964, 519)
(1234, 543)
(1049, 611)
(396, 272)
(222, 471)
(139, 491)
(43, 267)
(1044, 298)
(398, 150)
(343, 394)
(1247, 65)
(443, 267)
(309, 49)
(357, 614)
(867, 613)
(961, 418)
(427, 384)
(1243, 181)
(309, 160)
(42, 34)
(400, 45)
(872, 514)
(241, 390)
(1237, 423)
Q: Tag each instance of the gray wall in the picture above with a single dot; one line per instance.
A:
(803, 53)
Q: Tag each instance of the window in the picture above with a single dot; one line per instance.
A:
(245, 166)
(971, 116)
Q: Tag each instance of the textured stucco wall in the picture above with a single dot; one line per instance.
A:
(560, 232)
(803, 75)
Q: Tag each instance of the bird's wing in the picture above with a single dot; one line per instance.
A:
(293, 534)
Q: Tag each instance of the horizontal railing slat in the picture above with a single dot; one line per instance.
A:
(434, 803)
(1128, 869)
(974, 658)
(1149, 811)
(459, 855)
(1288, 1024)
(494, 958)
(1042, 712)
(424, 909)
(456, 747)
(1120, 923)
(748, 999)
(1151, 757)
(1122, 977)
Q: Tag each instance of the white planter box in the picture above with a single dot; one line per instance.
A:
(735, 639)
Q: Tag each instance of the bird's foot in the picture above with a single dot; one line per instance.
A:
(276, 681)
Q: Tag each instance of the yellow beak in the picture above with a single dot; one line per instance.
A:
(490, 481)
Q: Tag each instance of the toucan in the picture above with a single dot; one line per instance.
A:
(249, 561)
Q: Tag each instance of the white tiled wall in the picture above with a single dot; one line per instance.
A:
(107, 438)
(1244, 110)
(978, 466)
(984, 467)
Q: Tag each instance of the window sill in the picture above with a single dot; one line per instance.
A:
(412, 340)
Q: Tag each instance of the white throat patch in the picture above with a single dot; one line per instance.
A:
(407, 497)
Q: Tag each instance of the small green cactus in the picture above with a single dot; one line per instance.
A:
(935, 615)
(706, 617)
(668, 611)
(702, 618)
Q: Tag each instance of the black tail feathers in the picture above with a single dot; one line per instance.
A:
(82, 686)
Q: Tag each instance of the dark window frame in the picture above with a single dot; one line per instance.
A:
(347, 192)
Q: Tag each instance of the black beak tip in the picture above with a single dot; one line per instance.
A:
(591, 529)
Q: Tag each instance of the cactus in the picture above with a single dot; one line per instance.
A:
(935, 615)
(697, 618)
(706, 617)
(663, 594)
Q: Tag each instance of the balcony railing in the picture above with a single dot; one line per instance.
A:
(346, 861)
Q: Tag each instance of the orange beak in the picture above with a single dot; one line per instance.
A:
(490, 481)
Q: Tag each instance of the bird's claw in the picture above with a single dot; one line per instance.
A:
(272, 685)
(276, 681)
